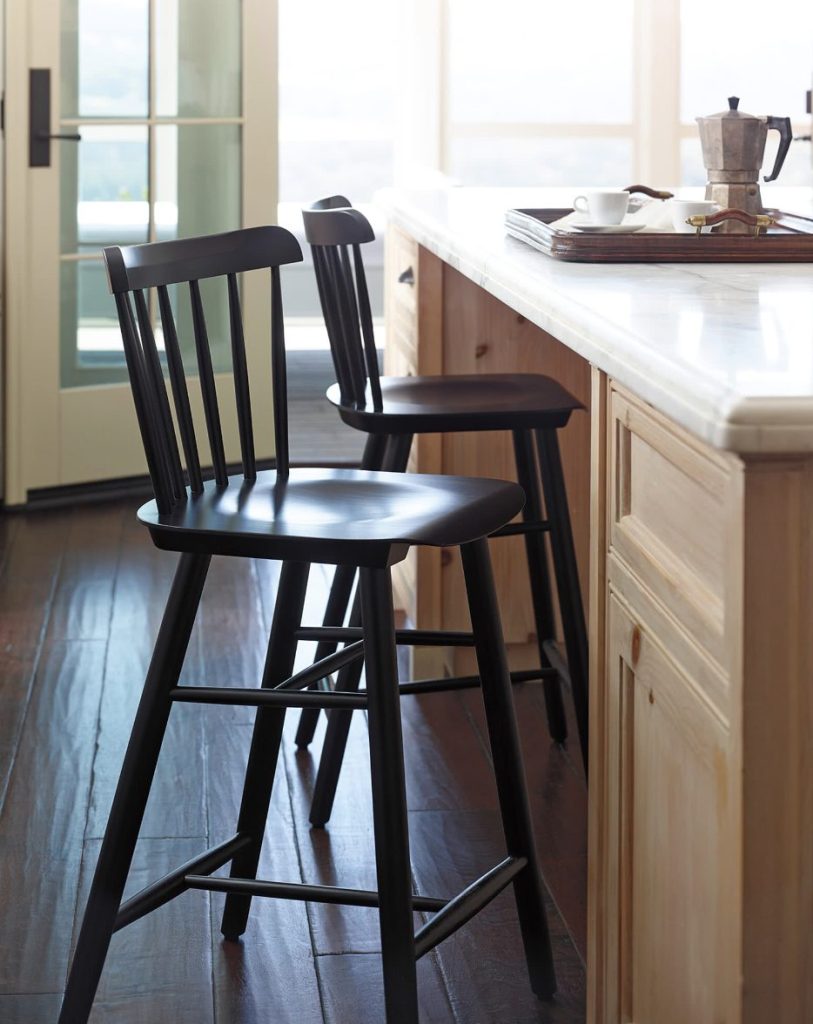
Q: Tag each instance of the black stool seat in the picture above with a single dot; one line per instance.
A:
(338, 516)
(483, 401)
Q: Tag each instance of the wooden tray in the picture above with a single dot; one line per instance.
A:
(790, 241)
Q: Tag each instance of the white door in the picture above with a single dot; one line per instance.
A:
(175, 105)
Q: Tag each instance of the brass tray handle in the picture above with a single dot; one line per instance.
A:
(645, 190)
(757, 221)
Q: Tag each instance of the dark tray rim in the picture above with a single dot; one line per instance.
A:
(531, 225)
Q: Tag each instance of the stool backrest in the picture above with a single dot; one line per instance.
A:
(132, 272)
(333, 229)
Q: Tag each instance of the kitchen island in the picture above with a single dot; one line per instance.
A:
(690, 478)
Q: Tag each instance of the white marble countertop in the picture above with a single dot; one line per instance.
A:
(726, 350)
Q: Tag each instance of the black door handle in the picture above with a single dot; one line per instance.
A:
(39, 119)
(407, 276)
(67, 136)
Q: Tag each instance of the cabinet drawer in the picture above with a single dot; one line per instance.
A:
(673, 519)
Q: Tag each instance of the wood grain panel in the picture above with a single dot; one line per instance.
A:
(43, 819)
(672, 837)
(482, 335)
(458, 847)
(777, 752)
(176, 805)
(270, 974)
(672, 502)
(31, 557)
(414, 346)
(158, 969)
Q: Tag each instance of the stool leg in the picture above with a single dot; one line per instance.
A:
(335, 744)
(265, 741)
(567, 576)
(339, 597)
(133, 789)
(338, 722)
(389, 800)
(335, 610)
(539, 576)
(507, 758)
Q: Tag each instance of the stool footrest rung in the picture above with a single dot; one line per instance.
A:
(512, 529)
(467, 682)
(468, 903)
(300, 891)
(153, 896)
(324, 667)
(257, 697)
(403, 637)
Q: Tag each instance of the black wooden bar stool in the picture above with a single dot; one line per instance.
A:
(359, 519)
(390, 410)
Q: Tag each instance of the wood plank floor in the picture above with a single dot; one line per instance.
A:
(81, 594)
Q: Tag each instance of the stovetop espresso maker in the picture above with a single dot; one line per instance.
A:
(733, 148)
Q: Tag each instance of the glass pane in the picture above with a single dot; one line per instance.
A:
(548, 62)
(105, 58)
(198, 192)
(198, 178)
(539, 162)
(764, 59)
(103, 185)
(90, 342)
(198, 58)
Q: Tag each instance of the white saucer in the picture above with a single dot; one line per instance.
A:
(606, 229)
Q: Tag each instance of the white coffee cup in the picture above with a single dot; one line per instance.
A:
(603, 206)
(682, 209)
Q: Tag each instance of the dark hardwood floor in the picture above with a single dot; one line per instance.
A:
(81, 594)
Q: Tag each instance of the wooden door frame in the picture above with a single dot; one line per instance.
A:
(31, 392)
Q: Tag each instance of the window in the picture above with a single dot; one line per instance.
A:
(540, 93)
(589, 92)
(336, 135)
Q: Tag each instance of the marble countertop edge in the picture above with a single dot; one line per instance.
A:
(706, 406)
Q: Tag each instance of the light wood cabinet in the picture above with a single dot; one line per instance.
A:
(669, 878)
(697, 567)
(701, 795)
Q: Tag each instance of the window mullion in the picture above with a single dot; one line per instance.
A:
(656, 99)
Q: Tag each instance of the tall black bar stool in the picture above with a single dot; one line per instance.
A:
(390, 410)
(349, 518)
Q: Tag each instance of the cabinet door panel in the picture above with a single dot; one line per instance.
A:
(668, 828)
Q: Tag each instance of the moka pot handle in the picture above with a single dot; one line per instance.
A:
(782, 125)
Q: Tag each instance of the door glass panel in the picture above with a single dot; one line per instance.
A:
(134, 181)
(198, 58)
(197, 179)
(90, 343)
(104, 184)
(105, 58)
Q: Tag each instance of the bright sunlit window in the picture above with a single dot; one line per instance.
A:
(592, 92)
